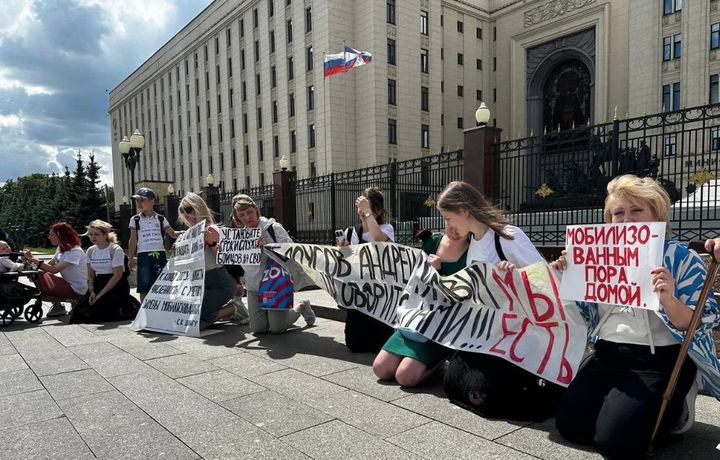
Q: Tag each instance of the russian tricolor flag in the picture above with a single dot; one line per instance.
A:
(342, 62)
(334, 63)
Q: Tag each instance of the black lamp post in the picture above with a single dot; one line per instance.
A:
(130, 150)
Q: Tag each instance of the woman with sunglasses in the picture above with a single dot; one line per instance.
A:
(219, 285)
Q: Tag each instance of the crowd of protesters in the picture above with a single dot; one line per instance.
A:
(612, 402)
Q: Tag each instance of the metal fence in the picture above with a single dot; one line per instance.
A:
(263, 196)
(547, 182)
(326, 203)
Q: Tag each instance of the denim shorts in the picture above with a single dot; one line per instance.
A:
(149, 266)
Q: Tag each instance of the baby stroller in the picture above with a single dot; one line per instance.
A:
(14, 296)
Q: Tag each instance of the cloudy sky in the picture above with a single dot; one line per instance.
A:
(58, 61)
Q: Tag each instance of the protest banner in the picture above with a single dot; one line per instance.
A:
(517, 315)
(611, 263)
(174, 302)
(238, 246)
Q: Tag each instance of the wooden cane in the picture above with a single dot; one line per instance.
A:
(694, 322)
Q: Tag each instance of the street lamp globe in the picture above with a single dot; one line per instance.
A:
(124, 198)
(171, 189)
(137, 140)
(124, 145)
(482, 114)
(284, 162)
(209, 180)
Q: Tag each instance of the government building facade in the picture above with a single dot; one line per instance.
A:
(242, 84)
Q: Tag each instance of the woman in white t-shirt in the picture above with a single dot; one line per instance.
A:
(364, 333)
(485, 383)
(69, 262)
(109, 289)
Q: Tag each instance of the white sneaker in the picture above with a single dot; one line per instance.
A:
(241, 315)
(685, 422)
(57, 309)
(307, 312)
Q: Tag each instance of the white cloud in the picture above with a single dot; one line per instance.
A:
(10, 121)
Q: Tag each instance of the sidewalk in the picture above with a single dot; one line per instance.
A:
(85, 391)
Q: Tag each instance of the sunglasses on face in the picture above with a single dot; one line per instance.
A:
(187, 210)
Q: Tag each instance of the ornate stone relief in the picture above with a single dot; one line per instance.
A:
(552, 10)
(583, 41)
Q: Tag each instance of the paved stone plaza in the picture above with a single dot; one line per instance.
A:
(84, 391)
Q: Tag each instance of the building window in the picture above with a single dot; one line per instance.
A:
(671, 6)
(308, 19)
(478, 33)
(392, 131)
(256, 49)
(714, 87)
(291, 68)
(715, 139)
(478, 94)
(309, 58)
(425, 136)
(242, 59)
(676, 96)
(276, 146)
(242, 28)
(245, 123)
(460, 59)
(257, 83)
(271, 8)
(311, 98)
(311, 136)
(289, 31)
(460, 123)
(460, 26)
(424, 99)
(424, 22)
(392, 92)
(229, 65)
(274, 112)
(259, 117)
(272, 41)
(460, 90)
(494, 64)
(391, 51)
(715, 36)
(670, 144)
(390, 6)
(677, 46)
(273, 77)
(291, 105)
(243, 90)
(247, 157)
(261, 153)
(255, 18)
(424, 61)
(478, 64)
(293, 141)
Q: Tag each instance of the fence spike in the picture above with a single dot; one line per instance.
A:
(615, 114)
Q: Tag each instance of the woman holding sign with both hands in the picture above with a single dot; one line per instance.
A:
(615, 399)
(219, 285)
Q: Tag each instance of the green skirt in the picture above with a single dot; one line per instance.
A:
(429, 353)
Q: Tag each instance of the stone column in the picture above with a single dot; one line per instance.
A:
(284, 200)
(480, 161)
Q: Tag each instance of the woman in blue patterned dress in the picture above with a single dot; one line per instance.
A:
(615, 399)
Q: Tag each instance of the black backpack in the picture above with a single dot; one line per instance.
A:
(503, 389)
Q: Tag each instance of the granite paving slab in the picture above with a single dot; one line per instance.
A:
(336, 439)
(116, 364)
(12, 362)
(51, 439)
(73, 384)
(247, 364)
(301, 387)
(180, 365)
(54, 363)
(220, 385)
(20, 381)
(275, 413)
(437, 440)
(33, 407)
(114, 427)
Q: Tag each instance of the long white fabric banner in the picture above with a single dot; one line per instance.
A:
(174, 302)
(517, 315)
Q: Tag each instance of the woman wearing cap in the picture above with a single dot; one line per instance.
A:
(364, 333)
(110, 298)
(248, 215)
(219, 285)
(241, 314)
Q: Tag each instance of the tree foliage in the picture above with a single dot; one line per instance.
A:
(32, 203)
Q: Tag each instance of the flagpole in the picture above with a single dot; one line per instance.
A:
(325, 114)
(345, 117)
